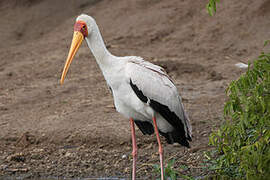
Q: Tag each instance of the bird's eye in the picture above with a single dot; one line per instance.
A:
(84, 27)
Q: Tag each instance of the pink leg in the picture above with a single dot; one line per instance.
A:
(134, 147)
(159, 149)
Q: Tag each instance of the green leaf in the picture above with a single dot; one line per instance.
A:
(211, 7)
(266, 43)
(241, 143)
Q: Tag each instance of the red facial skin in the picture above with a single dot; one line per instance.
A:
(81, 27)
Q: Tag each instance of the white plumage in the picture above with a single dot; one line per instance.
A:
(142, 91)
(155, 84)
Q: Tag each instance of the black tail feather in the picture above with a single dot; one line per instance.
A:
(176, 136)
(171, 137)
(145, 127)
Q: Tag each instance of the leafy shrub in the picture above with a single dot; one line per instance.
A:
(169, 172)
(212, 6)
(243, 142)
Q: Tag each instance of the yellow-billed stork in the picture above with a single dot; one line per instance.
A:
(142, 92)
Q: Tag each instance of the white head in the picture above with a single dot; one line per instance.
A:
(84, 19)
(83, 28)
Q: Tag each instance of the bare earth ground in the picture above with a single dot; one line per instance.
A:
(48, 130)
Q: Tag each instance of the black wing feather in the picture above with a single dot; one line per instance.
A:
(138, 92)
(178, 134)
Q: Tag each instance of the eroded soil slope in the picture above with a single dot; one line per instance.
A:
(73, 130)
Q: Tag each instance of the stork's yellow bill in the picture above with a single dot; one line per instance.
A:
(80, 32)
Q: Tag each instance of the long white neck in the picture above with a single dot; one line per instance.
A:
(98, 48)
